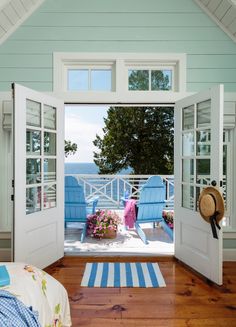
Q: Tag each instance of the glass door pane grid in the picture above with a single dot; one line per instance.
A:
(41, 185)
(42, 156)
(196, 183)
(47, 184)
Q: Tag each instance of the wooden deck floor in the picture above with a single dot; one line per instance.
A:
(188, 300)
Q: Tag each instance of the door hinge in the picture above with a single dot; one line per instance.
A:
(13, 183)
(12, 90)
(12, 197)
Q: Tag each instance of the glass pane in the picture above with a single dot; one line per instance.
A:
(49, 170)
(188, 144)
(101, 80)
(49, 144)
(33, 142)
(224, 160)
(188, 197)
(138, 80)
(33, 171)
(33, 113)
(198, 192)
(203, 171)
(188, 117)
(33, 199)
(49, 198)
(188, 170)
(161, 80)
(49, 117)
(224, 187)
(78, 79)
(204, 113)
(204, 143)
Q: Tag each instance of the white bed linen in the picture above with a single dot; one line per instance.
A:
(45, 294)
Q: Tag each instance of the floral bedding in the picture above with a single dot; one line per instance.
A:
(42, 292)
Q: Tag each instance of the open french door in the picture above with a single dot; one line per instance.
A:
(198, 163)
(38, 177)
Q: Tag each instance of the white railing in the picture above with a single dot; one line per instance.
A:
(111, 188)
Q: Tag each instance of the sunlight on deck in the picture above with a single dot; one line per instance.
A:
(127, 242)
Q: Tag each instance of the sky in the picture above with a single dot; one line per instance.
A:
(82, 123)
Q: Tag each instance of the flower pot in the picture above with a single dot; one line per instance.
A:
(110, 234)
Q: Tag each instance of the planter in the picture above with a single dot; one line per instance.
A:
(103, 222)
(110, 234)
(167, 229)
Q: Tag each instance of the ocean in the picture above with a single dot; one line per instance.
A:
(81, 168)
(87, 168)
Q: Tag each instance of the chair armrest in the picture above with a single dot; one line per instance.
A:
(94, 202)
(124, 200)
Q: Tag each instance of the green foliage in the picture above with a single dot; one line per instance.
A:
(70, 148)
(139, 80)
(138, 137)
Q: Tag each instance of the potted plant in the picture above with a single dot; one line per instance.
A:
(103, 224)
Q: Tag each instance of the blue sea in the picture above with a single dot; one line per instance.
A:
(86, 168)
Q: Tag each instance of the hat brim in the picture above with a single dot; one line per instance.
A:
(219, 201)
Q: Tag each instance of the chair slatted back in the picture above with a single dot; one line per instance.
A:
(75, 204)
(152, 200)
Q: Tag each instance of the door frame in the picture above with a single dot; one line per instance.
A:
(228, 254)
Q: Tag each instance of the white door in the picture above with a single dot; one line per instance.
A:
(198, 163)
(38, 177)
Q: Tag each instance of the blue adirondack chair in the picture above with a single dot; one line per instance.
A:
(76, 208)
(150, 204)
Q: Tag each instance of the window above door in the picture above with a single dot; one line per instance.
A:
(120, 77)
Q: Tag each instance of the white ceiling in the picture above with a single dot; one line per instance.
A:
(223, 12)
(14, 12)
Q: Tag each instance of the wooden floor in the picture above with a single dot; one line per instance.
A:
(187, 300)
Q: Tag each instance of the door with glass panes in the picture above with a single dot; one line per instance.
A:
(198, 163)
(38, 177)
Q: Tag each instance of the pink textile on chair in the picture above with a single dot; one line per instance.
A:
(130, 213)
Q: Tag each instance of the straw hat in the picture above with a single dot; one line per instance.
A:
(211, 202)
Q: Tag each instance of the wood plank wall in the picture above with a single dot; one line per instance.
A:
(118, 26)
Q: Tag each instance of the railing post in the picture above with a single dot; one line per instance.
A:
(118, 191)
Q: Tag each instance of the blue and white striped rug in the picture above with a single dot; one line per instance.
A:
(109, 274)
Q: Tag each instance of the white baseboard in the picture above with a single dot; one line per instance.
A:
(5, 254)
(229, 254)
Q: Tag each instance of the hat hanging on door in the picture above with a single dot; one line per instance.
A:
(211, 207)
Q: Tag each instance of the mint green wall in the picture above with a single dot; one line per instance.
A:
(118, 26)
(229, 243)
(5, 244)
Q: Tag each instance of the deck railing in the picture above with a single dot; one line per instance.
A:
(111, 188)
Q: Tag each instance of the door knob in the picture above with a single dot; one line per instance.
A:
(213, 183)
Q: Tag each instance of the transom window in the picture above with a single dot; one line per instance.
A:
(121, 77)
(150, 79)
(95, 79)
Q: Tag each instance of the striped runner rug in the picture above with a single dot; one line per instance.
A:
(117, 274)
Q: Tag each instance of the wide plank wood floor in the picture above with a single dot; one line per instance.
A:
(188, 300)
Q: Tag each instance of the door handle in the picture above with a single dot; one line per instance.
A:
(213, 183)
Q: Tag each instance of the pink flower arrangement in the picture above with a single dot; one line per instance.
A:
(101, 223)
(168, 216)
